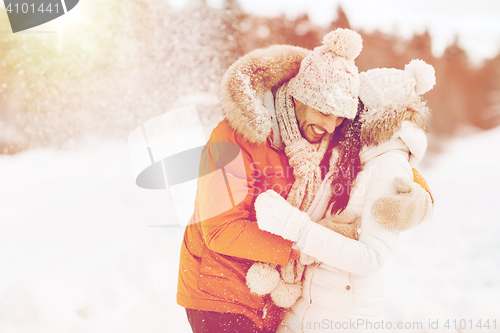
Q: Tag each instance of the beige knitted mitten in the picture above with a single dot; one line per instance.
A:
(405, 210)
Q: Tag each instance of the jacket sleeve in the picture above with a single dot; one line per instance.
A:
(376, 243)
(420, 180)
(224, 204)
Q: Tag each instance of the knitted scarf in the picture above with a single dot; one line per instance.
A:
(304, 157)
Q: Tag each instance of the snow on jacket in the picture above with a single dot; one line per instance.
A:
(348, 284)
(217, 252)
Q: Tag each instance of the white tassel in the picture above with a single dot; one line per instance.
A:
(286, 294)
(262, 278)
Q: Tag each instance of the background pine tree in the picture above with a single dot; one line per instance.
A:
(117, 71)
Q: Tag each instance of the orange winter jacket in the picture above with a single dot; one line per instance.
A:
(217, 252)
(223, 240)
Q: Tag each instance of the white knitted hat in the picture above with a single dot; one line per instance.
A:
(382, 88)
(328, 79)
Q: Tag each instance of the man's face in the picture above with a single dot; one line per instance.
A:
(314, 124)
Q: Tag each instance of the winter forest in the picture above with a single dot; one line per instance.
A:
(161, 56)
(82, 249)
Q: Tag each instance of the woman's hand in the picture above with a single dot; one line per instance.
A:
(277, 216)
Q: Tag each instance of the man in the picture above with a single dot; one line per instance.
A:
(282, 105)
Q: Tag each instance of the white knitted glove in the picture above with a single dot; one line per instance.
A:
(405, 210)
(276, 215)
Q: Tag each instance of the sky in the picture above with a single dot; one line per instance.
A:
(476, 23)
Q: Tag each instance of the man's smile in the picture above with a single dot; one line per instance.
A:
(316, 130)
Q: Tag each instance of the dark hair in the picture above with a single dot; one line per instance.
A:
(348, 164)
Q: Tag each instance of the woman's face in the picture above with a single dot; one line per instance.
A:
(313, 124)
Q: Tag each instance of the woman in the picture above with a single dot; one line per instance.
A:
(347, 284)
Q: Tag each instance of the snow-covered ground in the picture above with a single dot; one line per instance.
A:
(449, 266)
(79, 250)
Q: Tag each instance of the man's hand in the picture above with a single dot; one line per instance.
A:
(276, 215)
(405, 210)
(344, 224)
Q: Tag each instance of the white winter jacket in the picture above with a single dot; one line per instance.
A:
(348, 284)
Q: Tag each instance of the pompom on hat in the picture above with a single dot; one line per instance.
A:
(328, 79)
(382, 88)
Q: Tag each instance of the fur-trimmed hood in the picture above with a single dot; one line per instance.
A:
(380, 124)
(246, 88)
(381, 127)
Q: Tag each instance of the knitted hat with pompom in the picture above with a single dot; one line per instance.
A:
(383, 88)
(328, 78)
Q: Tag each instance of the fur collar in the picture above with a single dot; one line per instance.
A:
(247, 85)
(379, 125)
